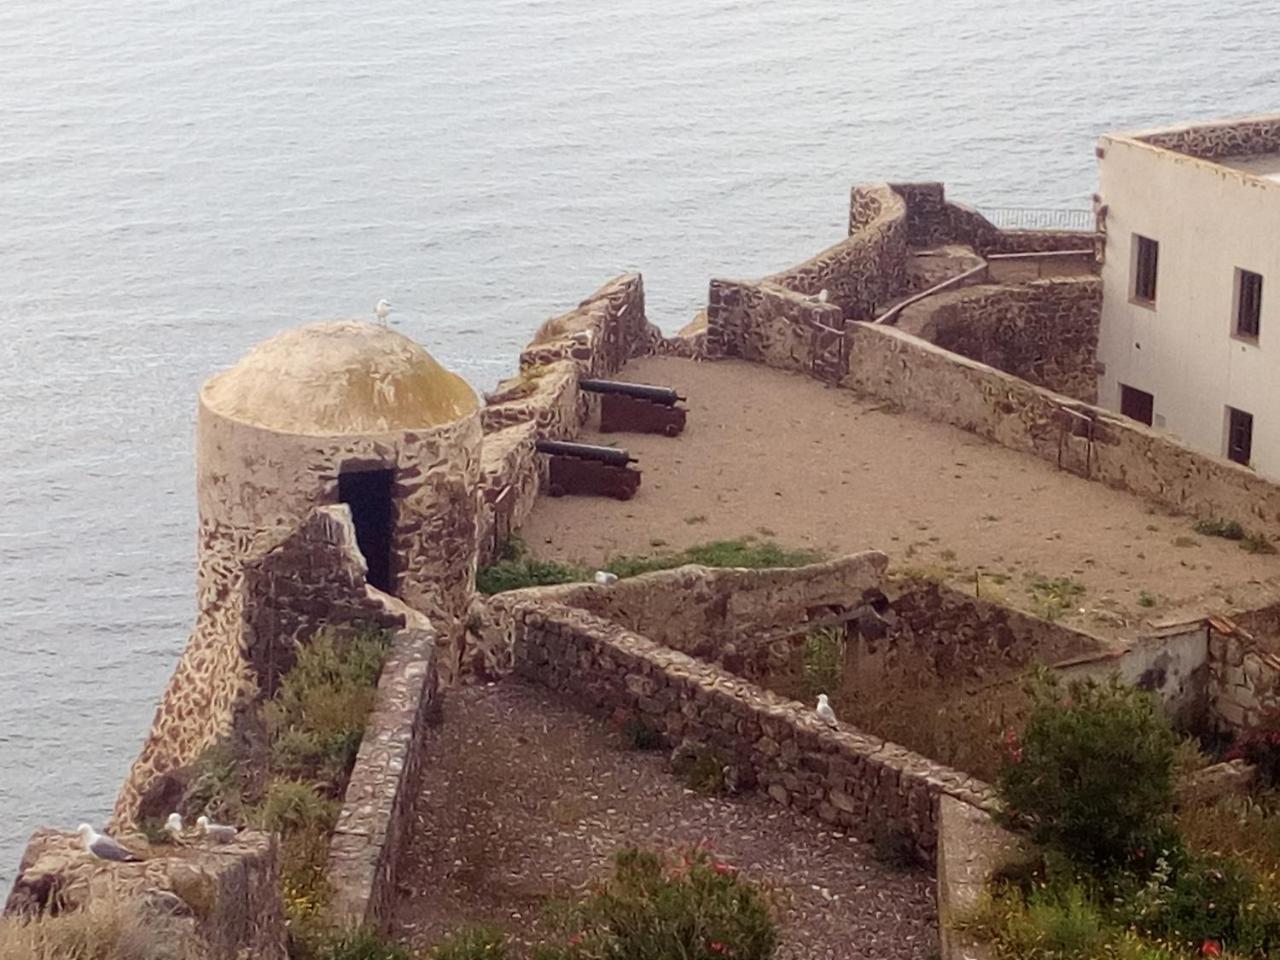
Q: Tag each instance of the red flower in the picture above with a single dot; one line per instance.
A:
(577, 938)
(1211, 948)
(723, 868)
(715, 946)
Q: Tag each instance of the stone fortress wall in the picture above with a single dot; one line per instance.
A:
(636, 645)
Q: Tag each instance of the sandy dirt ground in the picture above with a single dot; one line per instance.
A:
(777, 455)
(525, 800)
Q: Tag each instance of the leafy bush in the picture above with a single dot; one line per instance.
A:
(321, 943)
(317, 718)
(701, 767)
(292, 805)
(1092, 776)
(517, 569)
(1054, 597)
(1227, 529)
(640, 734)
(823, 663)
(694, 908)
(474, 944)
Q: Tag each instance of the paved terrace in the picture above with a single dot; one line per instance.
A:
(525, 800)
(774, 454)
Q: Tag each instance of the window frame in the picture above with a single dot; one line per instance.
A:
(1136, 272)
(1229, 439)
(1239, 302)
(1130, 390)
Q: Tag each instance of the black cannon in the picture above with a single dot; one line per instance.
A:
(586, 468)
(637, 407)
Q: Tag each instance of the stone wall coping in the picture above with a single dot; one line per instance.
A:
(365, 846)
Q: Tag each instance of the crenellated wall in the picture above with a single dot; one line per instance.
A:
(1045, 331)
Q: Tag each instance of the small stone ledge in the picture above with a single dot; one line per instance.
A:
(971, 848)
(374, 820)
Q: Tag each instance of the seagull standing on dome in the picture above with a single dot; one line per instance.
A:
(103, 847)
(605, 577)
(382, 310)
(824, 711)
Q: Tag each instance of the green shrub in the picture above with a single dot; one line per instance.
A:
(1092, 776)
(516, 569)
(701, 767)
(318, 942)
(478, 943)
(292, 805)
(1053, 597)
(823, 660)
(1227, 529)
(640, 734)
(745, 552)
(218, 785)
(693, 908)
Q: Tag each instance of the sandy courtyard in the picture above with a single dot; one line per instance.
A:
(777, 455)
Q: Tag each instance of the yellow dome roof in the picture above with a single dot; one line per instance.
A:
(339, 378)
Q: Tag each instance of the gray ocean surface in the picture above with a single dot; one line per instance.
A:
(181, 179)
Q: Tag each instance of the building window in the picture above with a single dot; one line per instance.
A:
(1137, 404)
(1239, 436)
(1146, 256)
(1248, 303)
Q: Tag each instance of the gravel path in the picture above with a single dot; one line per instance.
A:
(525, 800)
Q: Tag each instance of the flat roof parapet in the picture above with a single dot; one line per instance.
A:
(1220, 140)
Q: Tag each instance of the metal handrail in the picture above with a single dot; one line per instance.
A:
(1045, 218)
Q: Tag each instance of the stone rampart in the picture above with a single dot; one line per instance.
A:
(1243, 682)
(1093, 443)
(838, 774)
(376, 814)
(1045, 331)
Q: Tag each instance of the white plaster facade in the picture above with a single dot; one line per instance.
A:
(1206, 196)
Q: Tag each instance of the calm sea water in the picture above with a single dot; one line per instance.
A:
(179, 180)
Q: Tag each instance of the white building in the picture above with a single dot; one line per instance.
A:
(1190, 334)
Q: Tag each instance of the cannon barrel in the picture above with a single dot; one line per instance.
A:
(641, 391)
(585, 451)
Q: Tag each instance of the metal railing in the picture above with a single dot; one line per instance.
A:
(1039, 218)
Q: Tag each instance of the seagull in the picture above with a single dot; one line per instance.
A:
(382, 310)
(824, 711)
(173, 826)
(823, 295)
(217, 832)
(603, 576)
(103, 847)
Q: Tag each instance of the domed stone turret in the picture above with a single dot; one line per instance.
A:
(343, 413)
(338, 379)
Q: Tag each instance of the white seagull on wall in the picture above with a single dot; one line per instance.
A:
(824, 711)
(103, 847)
(173, 826)
(382, 310)
(217, 832)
